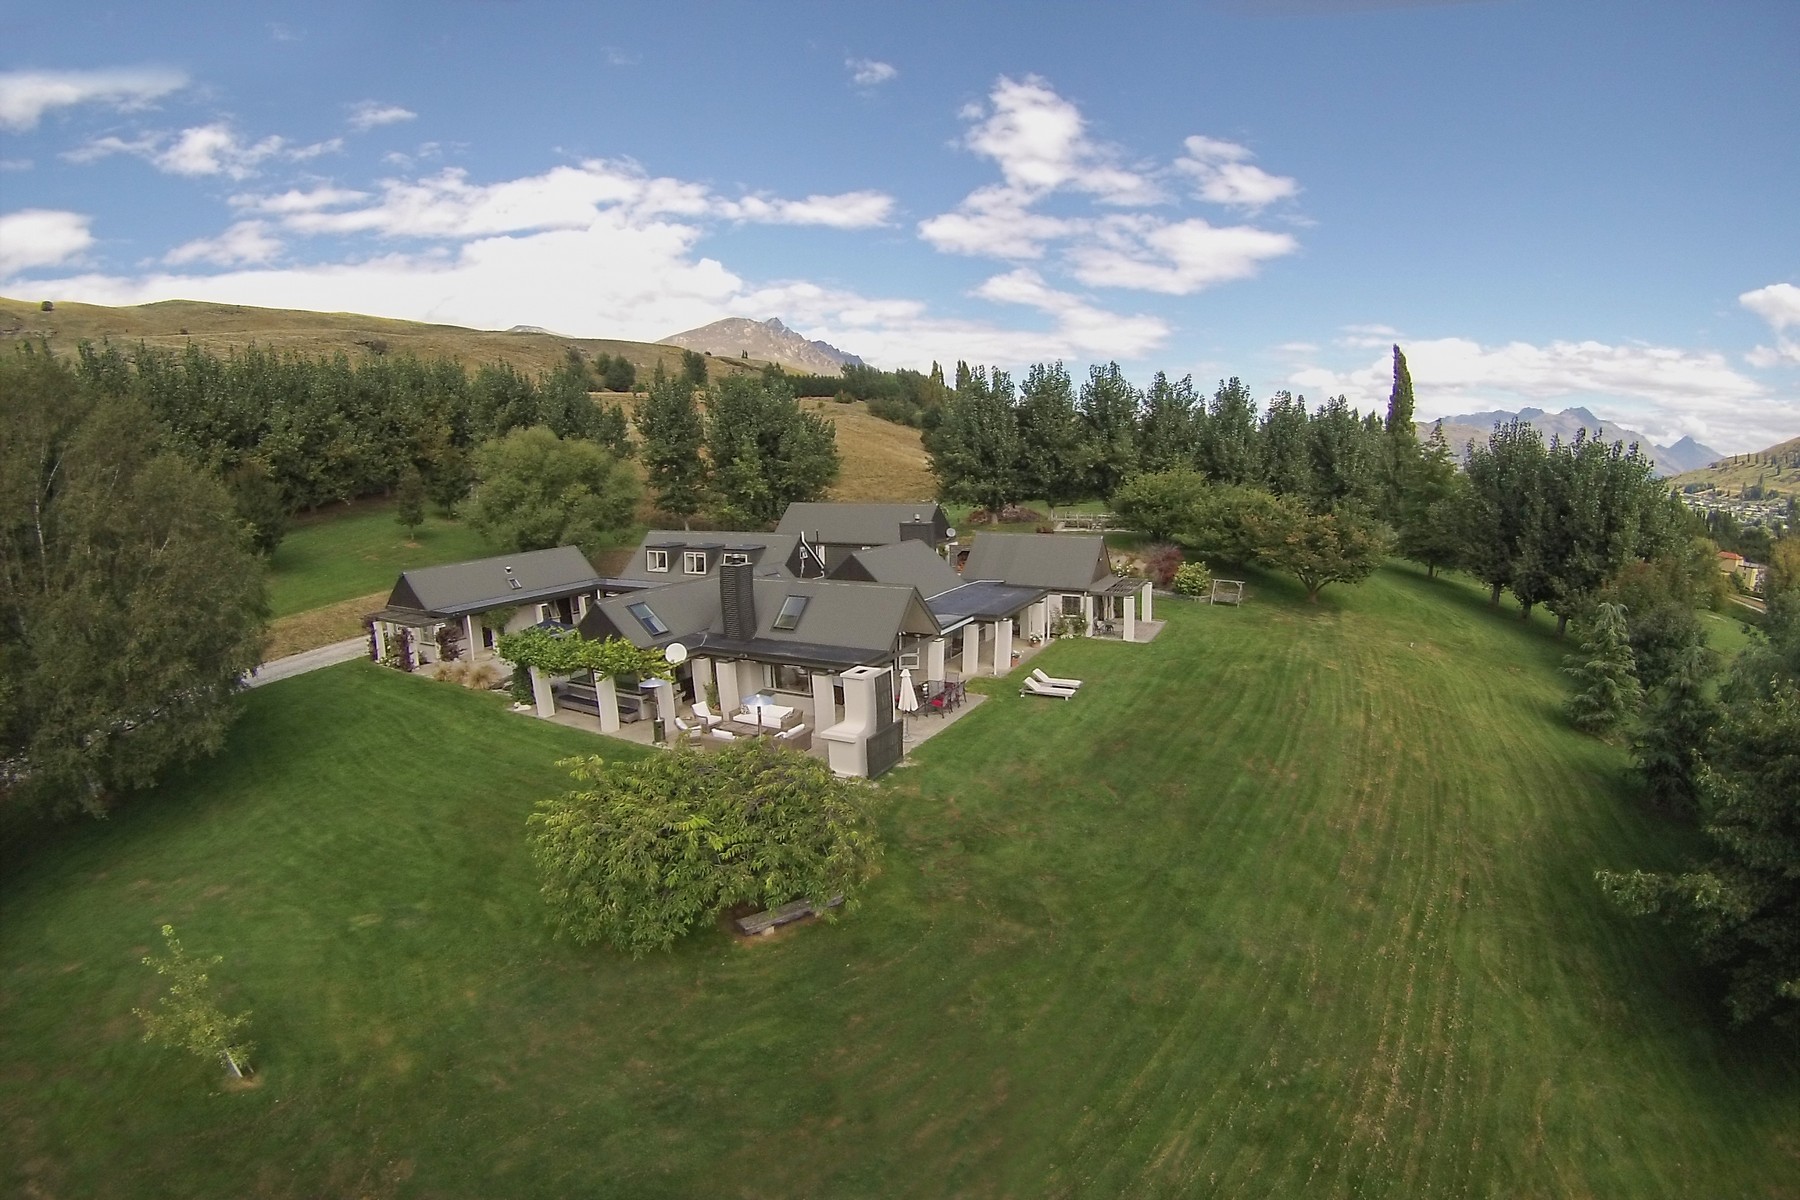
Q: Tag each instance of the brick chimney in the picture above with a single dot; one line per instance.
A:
(737, 600)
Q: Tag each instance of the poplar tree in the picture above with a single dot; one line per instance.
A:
(976, 452)
(1109, 413)
(1052, 454)
(1226, 449)
(1401, 457)
(672, 435)
(1166, 432)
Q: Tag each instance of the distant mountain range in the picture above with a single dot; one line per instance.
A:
(1684, 455)
(1776, 470)
(770, 341)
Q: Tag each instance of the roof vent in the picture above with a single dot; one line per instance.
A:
(513, 582)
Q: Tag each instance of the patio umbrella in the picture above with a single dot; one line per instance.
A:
(908, 699)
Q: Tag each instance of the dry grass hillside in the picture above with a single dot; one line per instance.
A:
(220, 327)
(1729, 476)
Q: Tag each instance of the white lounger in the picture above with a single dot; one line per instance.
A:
(1034, 688)
(706, 715)
(1053, 681)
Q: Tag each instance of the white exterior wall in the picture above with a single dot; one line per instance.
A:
(1002, 647)
(971, 649)
(824, 693)
(934, 660)
(703, 675)
(609, 704)
(729, 695)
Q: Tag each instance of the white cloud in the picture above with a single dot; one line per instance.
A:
(41, 237)
(368, 114)
(850, 210)
(294, 200)
(1663, 391)
(1224, 175)
(15, 164)
(244, 242)
(25, 96)
(1779, 305)
(1040, 142)
(203, 150)
(867, 72)
(1176, 258)
(1088, 331)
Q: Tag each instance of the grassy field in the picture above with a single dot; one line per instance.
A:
(357, 551)
(1297, 900)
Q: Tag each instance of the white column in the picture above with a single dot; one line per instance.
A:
(608, 696)
(1002, 647)
(824, 690)
(703, 675)
(471, 643)
(1087, 613)
(380, 639)
(540, 692)
(934, 660)
(1037, 619)
(1146, 594)
(971, 649)
(1131, 618)
(729, 696)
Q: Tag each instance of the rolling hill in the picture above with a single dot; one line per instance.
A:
(1777, 469)
(769, 341)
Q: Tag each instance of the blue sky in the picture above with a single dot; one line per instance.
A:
(1544, 203)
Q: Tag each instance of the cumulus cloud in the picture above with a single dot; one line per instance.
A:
(368, 114)
(1779, 305)
(1041, 144)
(41, 237)
(1664, 391)
(244, 242)
(867, 72)
(25, 96)
(203, 150)
(849, 210)
(1223, 174)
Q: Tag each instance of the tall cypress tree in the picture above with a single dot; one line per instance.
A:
(1402, 453)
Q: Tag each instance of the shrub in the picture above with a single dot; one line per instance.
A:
(1193, 579)
(482, 676)
(452, 672)
(1161, 562)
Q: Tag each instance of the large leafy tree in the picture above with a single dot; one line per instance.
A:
(131, 602)
(1226, 448)
(1286, 456)
(1053, 458)
(645, 850)
(1505, 482)
(1162, 503)
(1428, 520)
(1346, 460)
(767, 452)
(1109, 416)
(976, 450)
(1743, 905)
(1320, 548)
(537, 490)
(1167, 430)
(1595, 515)
(672, 435)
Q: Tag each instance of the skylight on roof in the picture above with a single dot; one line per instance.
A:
(789, 616)
(652, 623)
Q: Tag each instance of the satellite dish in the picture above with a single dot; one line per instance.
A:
(950, 532)
(676, 653)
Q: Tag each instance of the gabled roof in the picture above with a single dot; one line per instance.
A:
(1058, 562)
(770, 553)
(909, 564)
(843, 624)
(458, 589)
(862, 524)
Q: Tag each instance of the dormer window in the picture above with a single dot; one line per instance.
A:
(656, 560)
(734, 558)
(789, 616)
(694, 562)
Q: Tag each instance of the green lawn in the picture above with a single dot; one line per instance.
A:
(1295, 901)
(1726, 634)
(336, 557)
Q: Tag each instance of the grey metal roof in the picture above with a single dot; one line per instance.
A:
(853, 620)
(982, 600)
(458, 589)
(910, 564)
(860, 524)
(1058, 562)
(771, 553)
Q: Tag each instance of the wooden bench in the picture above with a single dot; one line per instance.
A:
(774, 918)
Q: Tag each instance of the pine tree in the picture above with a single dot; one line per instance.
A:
(1606, 689)
(1427, 521)
(1678, 719)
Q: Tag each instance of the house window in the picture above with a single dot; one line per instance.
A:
(792, 679)
(652, 623)
(656, 560)
(1071, 606)
(909, 660)
(735, 558)
(789, 616)
(694, 562)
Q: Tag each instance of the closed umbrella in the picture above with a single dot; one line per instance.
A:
(909, 699)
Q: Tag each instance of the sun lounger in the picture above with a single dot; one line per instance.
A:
(1034, 688)
(706, 715)
(1053, 681)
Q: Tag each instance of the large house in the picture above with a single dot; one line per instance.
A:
(837, 606)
